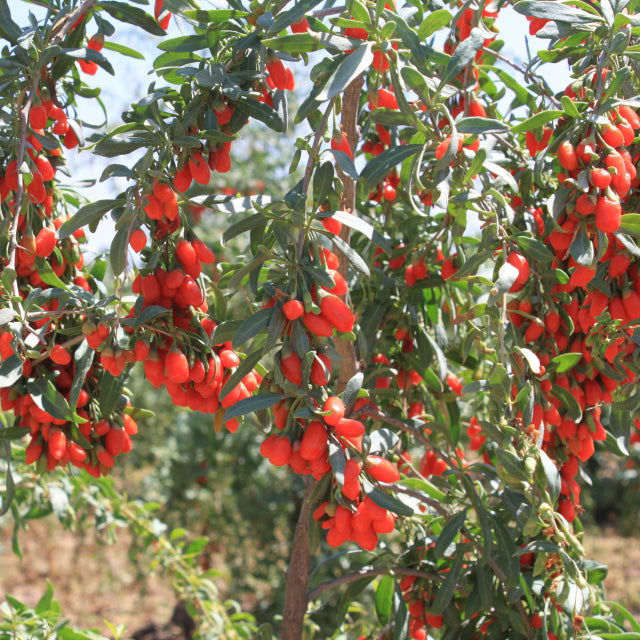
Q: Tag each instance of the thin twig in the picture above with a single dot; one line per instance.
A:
(358, 575)
(62, 28)
(309, 168)
(67, 343)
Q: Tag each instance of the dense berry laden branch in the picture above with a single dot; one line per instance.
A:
(296, 599)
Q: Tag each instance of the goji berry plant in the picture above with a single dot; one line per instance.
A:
(432, 328)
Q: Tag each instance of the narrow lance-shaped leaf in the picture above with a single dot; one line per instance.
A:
(462, 56)
(255, 403)
(349, 69)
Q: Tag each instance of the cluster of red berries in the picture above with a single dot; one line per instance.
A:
(603, 157)
(55, 381)
(418, 597)
(600, 179)
(302, 444)
(86, 439)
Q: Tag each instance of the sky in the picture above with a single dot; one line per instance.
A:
(131, 79)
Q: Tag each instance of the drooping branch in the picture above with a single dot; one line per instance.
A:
(58, 33)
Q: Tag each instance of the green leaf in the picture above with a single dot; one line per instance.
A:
(352, 65)
(630, 223)
(596, 571)
(566, 361)
(322, 182)
(512, 464)
(261, 111)
(358, 224)
(582, 249)
(125, 51)
(118, 251)
(47, 397)
(465, 52)
(83, 359)
(148, 313)
(345, 163)
(255, 403)
(351, 255)
(507, 275)
(132, 15)
(10, 484)
(88, 214)
(7, 314)
(448, 588)
(245, 367)
(522, 94)
(379, 167)
(298, 11)
(503, 174)
(556, 11)
(536, 121)
(337, 460)
(481, 125)
(449, 532)
(44, 604)
(433, 22)
(294, 43)
(90, 54)
(569, 107)
(12, 433)
(252, 326)
(10, 371)
(9, 30)
(184, 44)
(569, 402)
(536, 249)
(388, 502)
(384, 599)
(110, 392)
(214, 15)
(351, 390)
(532, 359)
(225, 331)
(48, 275)
(382, 440)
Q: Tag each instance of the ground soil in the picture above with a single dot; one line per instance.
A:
(94, 583)
(622, 556)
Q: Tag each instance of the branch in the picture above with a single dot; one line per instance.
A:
(381, 417)
(500, 574)
(358, 575)
(61, 29)
(297, 575)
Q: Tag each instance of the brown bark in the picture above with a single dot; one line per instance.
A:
(297, 576)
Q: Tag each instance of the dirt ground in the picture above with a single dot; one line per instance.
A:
(94, 583)
(622, 556)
